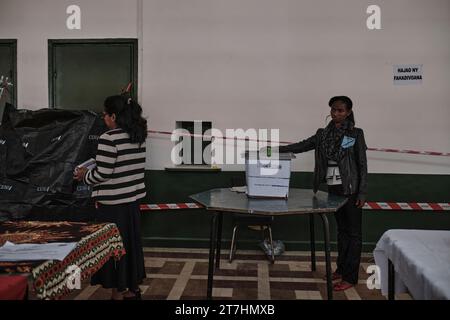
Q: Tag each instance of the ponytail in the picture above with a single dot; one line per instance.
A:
(128, 116)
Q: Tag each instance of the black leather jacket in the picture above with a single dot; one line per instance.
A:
(352, 166)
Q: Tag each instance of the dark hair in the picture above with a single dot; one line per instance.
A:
(348, 103)
(128, 116)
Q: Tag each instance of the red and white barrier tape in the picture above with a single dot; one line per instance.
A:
(170, 206)
(428, 153)
(416, 206)
(411, 206)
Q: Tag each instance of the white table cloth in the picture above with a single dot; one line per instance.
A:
(421, 260)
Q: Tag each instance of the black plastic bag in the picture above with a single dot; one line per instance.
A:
(38, 153)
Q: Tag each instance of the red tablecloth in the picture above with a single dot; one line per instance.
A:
(96, 244)
(13, 287)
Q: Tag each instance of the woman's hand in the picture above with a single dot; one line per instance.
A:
(79, 173)
(360, 203)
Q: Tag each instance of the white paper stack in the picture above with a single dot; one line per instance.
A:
(34, 251)
(88, 164)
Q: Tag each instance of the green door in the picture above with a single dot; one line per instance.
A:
(8, 65)
(82, 73)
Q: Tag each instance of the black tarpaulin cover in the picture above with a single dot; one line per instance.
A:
(38, 153)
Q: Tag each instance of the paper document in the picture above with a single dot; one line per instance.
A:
(89, 164)
(34, 251)
(242, 189)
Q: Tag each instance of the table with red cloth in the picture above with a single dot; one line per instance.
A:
(96, 244)
(13, 287)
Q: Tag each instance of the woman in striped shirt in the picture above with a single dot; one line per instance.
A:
(118, 185)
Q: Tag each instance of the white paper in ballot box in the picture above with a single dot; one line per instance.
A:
(268, 176)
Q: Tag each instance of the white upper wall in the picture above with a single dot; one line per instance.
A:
(265, 64)
(33, 23)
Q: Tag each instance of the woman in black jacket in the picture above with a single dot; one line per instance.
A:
(340, 161)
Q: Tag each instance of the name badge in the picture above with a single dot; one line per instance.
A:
(347, 142)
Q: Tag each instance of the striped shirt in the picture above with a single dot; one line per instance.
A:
(119, 174)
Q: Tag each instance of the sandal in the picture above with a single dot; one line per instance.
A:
(342, 286)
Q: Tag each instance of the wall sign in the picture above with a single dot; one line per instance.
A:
(407, 74)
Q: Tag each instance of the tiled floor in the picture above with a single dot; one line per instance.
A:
(178, 274)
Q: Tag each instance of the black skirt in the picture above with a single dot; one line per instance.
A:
(129, 271)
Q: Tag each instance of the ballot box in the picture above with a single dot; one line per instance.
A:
(268, 176)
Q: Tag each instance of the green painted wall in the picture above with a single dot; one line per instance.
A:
(190, 228)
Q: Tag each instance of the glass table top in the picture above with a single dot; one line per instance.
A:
(300, 201)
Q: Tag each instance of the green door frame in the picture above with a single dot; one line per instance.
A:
(54, 43)
(12, 43)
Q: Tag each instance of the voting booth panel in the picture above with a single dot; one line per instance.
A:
(39, 151)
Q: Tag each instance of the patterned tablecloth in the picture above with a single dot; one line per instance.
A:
(96, 244)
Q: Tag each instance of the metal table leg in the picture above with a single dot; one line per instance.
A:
(312, 241)
(326, 234)
(219, 239)
(212, 249)
(391, 280)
